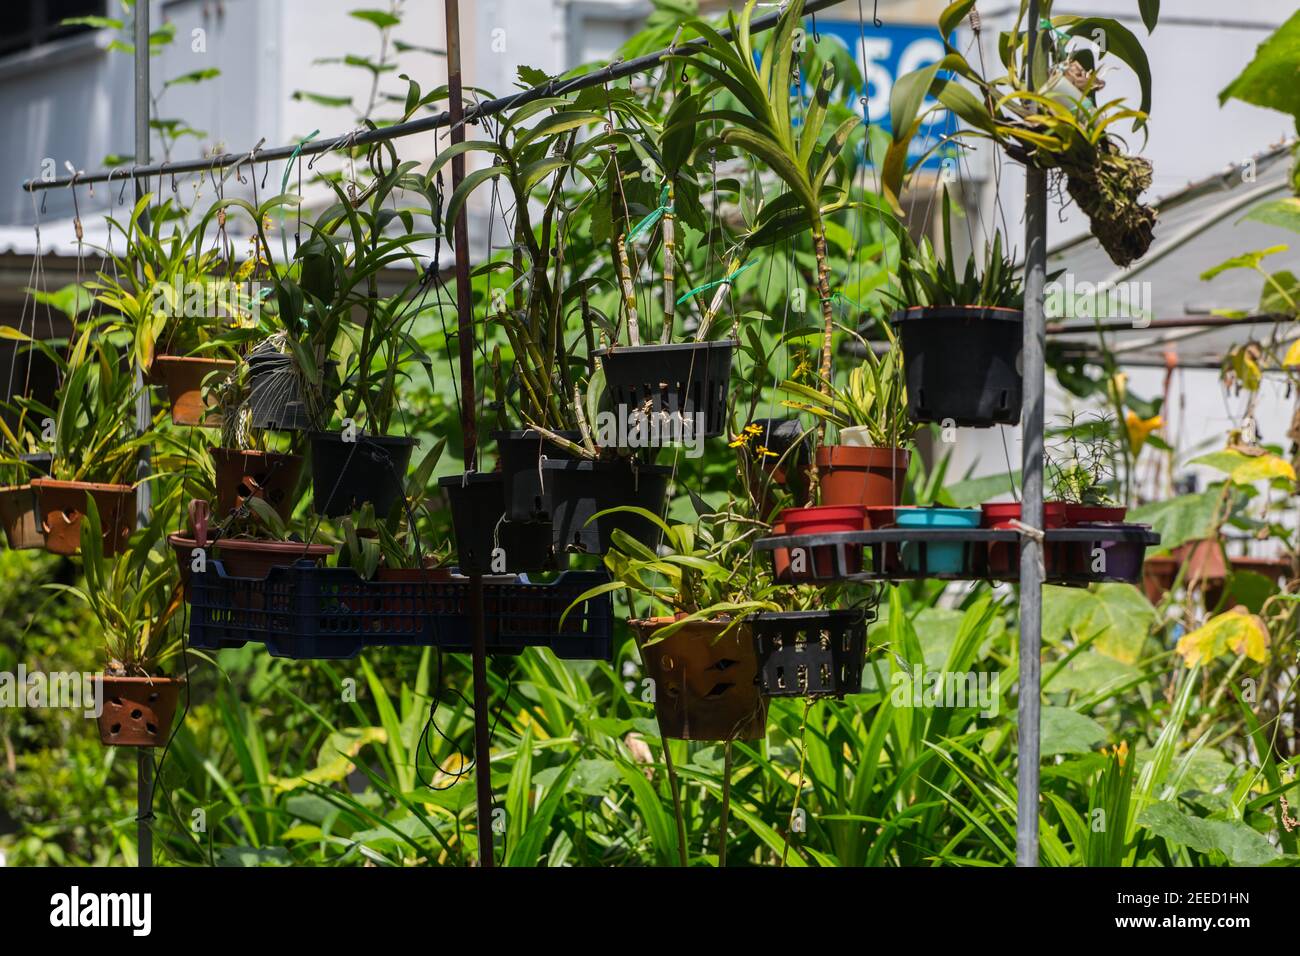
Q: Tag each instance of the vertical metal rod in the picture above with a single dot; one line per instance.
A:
(469, 428)
(143, 416)
(1031, 550)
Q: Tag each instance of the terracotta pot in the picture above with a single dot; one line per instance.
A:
(1158, 575)
(245, 474)
(62, 505)
(706, 686)
(183, 547)
(18, 513)
(870, 477)
(826, 519)
(183, 377)
(252, 558)
(138, 711)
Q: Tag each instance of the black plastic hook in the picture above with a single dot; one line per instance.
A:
(875, 15)
(817, 37)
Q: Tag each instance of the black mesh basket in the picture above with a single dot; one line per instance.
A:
(308, 613)
(811, 653)
(683, 379)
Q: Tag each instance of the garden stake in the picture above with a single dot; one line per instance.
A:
(465, 342)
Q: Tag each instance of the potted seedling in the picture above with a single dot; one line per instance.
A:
(961, 332)
(172, 296)
(255, 539)
(136, 598)
(695, 640)
(866, 465)
(95, 446)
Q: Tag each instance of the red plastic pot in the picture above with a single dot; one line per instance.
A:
(826, 519)
(1004, 557)
(867, 476)
(781, 556)
(1093, 514)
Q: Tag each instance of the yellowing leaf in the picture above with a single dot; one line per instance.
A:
(1265, 467)
(1237, 630)
(334, 762)
(1292, 355)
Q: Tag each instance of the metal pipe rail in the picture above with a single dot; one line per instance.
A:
(364, 137)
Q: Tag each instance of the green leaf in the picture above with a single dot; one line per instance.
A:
(98, 23)
(380, 18)
(1117, 617)
(1247, 260)
(1066, 731)
(196, 76)
(1269, 80)
(1242, 845)
(1150, 13)
(322, 99)
(1120, 41)
(1283, 213)
(1181, 519)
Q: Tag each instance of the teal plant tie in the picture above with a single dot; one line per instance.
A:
(839, 296)
(716, 282)
(655, 214)
(288, 167)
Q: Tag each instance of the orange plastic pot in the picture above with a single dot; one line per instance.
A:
(705, 686)
(182, 377)
(137, 711)
(62, 505)
(869, 477)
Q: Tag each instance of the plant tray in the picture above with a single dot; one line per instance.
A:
(879, 553)
(306, 612)
(811, 653)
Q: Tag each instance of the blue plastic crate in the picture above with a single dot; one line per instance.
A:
(306, 612)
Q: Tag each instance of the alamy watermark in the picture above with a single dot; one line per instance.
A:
(210, 300)
(1073, 299)
(944, 690)
(56, 690)
(644, 428)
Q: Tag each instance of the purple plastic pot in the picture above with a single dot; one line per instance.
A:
(1121, 560)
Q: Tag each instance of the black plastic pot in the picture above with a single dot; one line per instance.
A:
(962, 364)
(686, 379)
(811, 653)
(275, 395)
(478, 522)
(575, 491)
(520, 450)
(347, 474)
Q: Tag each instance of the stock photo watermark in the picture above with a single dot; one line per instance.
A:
(55, 690)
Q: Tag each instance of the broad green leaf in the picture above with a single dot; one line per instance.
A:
(1269, 80)
(1241, 844)
(1066, 731)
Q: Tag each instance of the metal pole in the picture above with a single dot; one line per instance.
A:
(469, 428)
(143, 416)
(1031, 508)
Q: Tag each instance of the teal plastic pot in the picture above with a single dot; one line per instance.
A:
(940, 558)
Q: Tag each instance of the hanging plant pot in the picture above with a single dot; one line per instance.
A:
(575, 491)
(183, 547)
(826, 519)
(347, 474)
(254, 558)
(22, 523)
(137, 711)
(705, 685)
(663, 394)
(183, 377)
(520, 451)
(244, 474)
(275, 395)
(810, 653)
(62, 505)
(483, 535)
(1004, 557)
(945, 557)
(962, 364)
(869, 477)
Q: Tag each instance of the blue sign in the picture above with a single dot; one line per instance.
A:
(883, 55)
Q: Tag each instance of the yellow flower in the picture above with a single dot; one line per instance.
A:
(766, 453)
(1140, 428)
(754, 429)
(740, 442)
